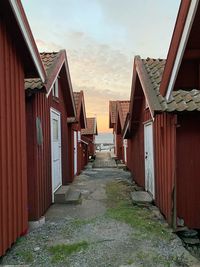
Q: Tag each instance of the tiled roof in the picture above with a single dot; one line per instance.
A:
(113, 111)
(76, 99)
(123, 107)
(48, 60)
(91, 127)
(180, 100)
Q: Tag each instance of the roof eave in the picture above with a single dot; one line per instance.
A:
(147, 88)
(28, 37)
(178, 43)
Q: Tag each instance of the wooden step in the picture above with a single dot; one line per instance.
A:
(61, 194)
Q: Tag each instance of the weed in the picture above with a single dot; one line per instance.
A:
(62, 251)
(25, 255)
(140, 218)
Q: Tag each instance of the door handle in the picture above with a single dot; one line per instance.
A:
(146, 155)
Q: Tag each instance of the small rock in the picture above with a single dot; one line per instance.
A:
(191, 241)
(36, 249)
(190, 233)
(141, 197)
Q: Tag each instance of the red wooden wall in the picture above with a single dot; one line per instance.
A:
(188, 165)
(39, 156)
(165, 162)
(91, 146)
(119, 146)
(135, 150)
(13, 172)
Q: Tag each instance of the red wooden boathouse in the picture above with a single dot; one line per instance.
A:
(19, 59)
(80, 147)
(88, 135)
(122, 108)
(162, 135)
(50, 111)
(112, 123)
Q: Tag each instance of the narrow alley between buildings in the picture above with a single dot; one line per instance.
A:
(103, 228)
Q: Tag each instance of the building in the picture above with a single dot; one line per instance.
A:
(19, 59)
(50, 113)
(80, 146)
(118, 111)
(88, 135)
(162, 134)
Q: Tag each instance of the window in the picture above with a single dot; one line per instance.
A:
(55, 88)
(55, 130)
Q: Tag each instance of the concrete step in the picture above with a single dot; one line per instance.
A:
(61, 194)
(73, 197)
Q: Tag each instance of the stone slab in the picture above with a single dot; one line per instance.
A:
(73, 197)
(60, 194)
(141, 197)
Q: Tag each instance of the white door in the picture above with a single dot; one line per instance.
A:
(56, 150)
(75, 152)
(149, 158)
(125, 150)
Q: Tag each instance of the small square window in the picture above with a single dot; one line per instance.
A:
(55, 88)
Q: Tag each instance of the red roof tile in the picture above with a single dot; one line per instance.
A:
(180, 100)
(123, 109)
(91, 127)
(48, 60)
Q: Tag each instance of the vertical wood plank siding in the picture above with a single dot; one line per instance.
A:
(119, 148)
(135, 153)
(13, 168)
(39, 156)
(188, 162)
(165, 162)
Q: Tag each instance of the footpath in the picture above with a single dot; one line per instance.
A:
(104, 229)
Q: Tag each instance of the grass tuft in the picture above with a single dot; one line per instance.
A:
(62, 251)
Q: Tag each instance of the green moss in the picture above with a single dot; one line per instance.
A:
(62, 251)
(140, 218)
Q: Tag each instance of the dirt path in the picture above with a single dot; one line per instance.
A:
(104, 230)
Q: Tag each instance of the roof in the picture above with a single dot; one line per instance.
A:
(49, 60)
(180, 100)
(91, 127)
(112, 113)
(183, 35)
(122, 110)
(13, 15)
(80, 108)
(55, 63)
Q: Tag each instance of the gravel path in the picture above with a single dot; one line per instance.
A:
(104, 230)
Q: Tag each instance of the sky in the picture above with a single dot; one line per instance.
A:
(101, 38)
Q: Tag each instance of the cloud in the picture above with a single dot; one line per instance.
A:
(47, 46)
